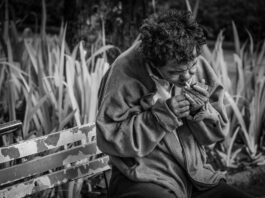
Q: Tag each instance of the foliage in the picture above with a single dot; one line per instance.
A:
(45, 85)
(56, 88)
(245, 101)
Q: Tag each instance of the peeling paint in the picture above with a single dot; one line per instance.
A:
(74, 130)
(21, 190)
(9, 153)
(56, 178)
(53, 139)
(33, 146)
(66, 137)
(71, 172)
(41, 146)
(41, 184)
(73, 158)
(83, 158)
(88, 127)
(92, 150)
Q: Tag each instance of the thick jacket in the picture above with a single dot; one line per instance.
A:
(145, 140)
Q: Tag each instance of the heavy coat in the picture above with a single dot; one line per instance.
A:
(145, 140)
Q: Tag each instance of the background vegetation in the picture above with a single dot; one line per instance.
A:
(124, 17)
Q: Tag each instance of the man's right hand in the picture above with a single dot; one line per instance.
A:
(179, 105)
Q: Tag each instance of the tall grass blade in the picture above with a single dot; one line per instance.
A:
(236, 38)
(261, 54)
(66, 120)
(43, 18)
(257, 109)
(61, 78)
(32, 54)
(206, 52)
(11, 100)
(196, 8)
(98, 52)
(229, 151)
(188, 5)
(251, 48)
(240, 83)
(86, 82)
(6, 22)
(2, 77)
(154, 6)
(48, 89)
(241, 122)
(70, 76)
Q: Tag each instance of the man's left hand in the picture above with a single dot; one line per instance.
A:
(197, 95)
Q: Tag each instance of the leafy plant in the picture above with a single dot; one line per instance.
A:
(55, 88)
(244, 103)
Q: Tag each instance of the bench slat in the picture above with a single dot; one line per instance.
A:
(56, 178)
(47, 142)
(52, 161)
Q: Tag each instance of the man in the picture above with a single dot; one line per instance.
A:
(149, 122)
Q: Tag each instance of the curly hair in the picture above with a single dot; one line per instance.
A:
(171, 35)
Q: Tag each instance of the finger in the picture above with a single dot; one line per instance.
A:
(179, 98)
(201, 90)
(185, 114)
(203, 81)
(184, 109)
(199, 101)
(183, 103)
(180, 111)
(190, 99)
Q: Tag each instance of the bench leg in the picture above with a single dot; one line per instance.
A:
(106, 183)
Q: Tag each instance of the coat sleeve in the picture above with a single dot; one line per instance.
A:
(211, 123)
(124, 127)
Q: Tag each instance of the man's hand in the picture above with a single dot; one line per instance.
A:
(179, 105)
(197, 95)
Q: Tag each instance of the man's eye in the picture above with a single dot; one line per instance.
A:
(193, 70)
(175, 73)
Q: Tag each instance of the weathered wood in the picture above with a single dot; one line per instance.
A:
(52, 161)
(56, 178)
(9, 127)
(44, 143)
(52, 167)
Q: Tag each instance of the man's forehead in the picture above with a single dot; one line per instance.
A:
(181, 66)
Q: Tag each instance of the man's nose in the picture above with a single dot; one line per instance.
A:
(186, 76)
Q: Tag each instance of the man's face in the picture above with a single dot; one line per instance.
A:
(178, 74)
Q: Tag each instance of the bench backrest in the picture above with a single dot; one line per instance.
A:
(61, 157)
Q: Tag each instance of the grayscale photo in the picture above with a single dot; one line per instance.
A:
(132, 99)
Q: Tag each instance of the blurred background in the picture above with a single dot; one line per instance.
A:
(53, 55)
(123, 18)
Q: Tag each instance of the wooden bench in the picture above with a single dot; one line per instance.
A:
(44, 162)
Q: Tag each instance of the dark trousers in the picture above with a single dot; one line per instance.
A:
(121, 187)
